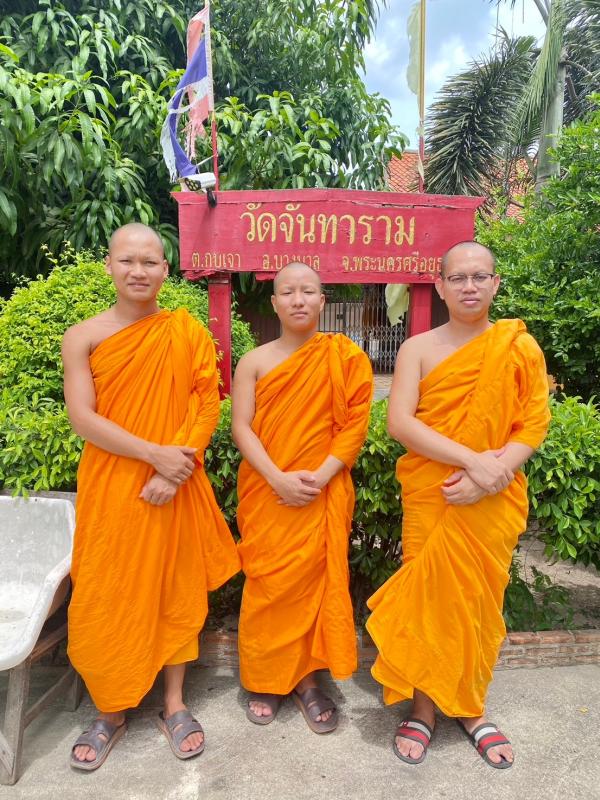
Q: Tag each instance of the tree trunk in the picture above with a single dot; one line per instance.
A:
(551, 127)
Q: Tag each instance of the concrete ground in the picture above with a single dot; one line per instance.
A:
(551, 715)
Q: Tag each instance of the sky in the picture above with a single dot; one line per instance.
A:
(457, 32)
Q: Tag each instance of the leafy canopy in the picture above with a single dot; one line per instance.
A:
(550, 262)
(83, 94)
(504, 110)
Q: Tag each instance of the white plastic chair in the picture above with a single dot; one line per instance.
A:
(36, 537)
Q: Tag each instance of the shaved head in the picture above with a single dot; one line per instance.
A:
(135, 228)
(469, 245)
(295, 265)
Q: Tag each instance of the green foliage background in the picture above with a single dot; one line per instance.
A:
(83, 92)
(38, 449)
(550, 262)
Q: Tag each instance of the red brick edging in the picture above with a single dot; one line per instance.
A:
(543, 649)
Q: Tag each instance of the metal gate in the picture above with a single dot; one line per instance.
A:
(363, 318)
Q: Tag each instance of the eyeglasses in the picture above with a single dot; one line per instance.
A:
(459, 280)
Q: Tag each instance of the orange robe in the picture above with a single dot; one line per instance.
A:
(141, 572)
(437, 622)
(296, 613)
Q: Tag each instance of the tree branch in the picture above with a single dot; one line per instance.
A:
(571, 91)
(544, 11)
(579, 66)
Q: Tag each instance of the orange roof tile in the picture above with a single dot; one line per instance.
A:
(403, 176)
(402, 172)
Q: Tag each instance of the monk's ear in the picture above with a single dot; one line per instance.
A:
(165, 268)
(439, 286)
(322, 301)
(107, 267)
(496, 284)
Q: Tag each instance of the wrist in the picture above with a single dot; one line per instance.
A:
(469, 459)
(272, 476)
(150, 453)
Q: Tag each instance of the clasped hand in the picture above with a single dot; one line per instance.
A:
(174, 462)
(460, 490)
(489, 472)
(296, 489)
(159, 491)
(486, 475)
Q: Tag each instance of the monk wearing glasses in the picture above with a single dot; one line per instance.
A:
(469, 401)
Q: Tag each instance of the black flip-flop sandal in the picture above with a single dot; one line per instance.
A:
(483, 737)
(273, 701)
(415, 730)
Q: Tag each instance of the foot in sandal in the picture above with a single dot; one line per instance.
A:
(319, 711)
(183, 732)
(491, 744)
(263, 707)
(92, 747)
(414, 733)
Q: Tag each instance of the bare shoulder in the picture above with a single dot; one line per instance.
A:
(413, 348)
(80, 336)
(250, 363)
(87, 335)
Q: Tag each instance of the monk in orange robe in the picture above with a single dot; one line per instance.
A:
(300, 416)
(470, 402)
(141, 387)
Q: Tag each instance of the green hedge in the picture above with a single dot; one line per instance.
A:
(41, 452)
(564, 482)
(38, 450)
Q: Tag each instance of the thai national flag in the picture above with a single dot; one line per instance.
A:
(196, 82)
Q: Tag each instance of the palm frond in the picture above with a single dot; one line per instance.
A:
(540, 87)
(470, 121)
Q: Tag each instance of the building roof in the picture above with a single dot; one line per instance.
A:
(403, 176)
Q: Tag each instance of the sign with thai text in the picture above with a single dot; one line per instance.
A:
(347, 236)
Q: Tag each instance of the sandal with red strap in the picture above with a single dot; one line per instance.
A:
(416, 731)
(484, 737)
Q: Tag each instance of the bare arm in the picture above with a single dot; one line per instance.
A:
(486, 469)
(294, 488)
(174, 463)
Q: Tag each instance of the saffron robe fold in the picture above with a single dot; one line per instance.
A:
(437, 622)
(141, 572)
(296, 614)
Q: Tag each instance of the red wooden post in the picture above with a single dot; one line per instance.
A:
(219, 322)
(419, 310)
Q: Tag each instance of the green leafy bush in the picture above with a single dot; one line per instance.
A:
(537, 606)
(221, 462)
(375, 542)
(550, 262)
(38, 450)
(564, 482)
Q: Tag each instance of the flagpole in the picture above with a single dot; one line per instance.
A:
(213, 118)
(422, 22)
(215, 148)
(421, 294)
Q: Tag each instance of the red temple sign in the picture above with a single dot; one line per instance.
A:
(347, 236)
